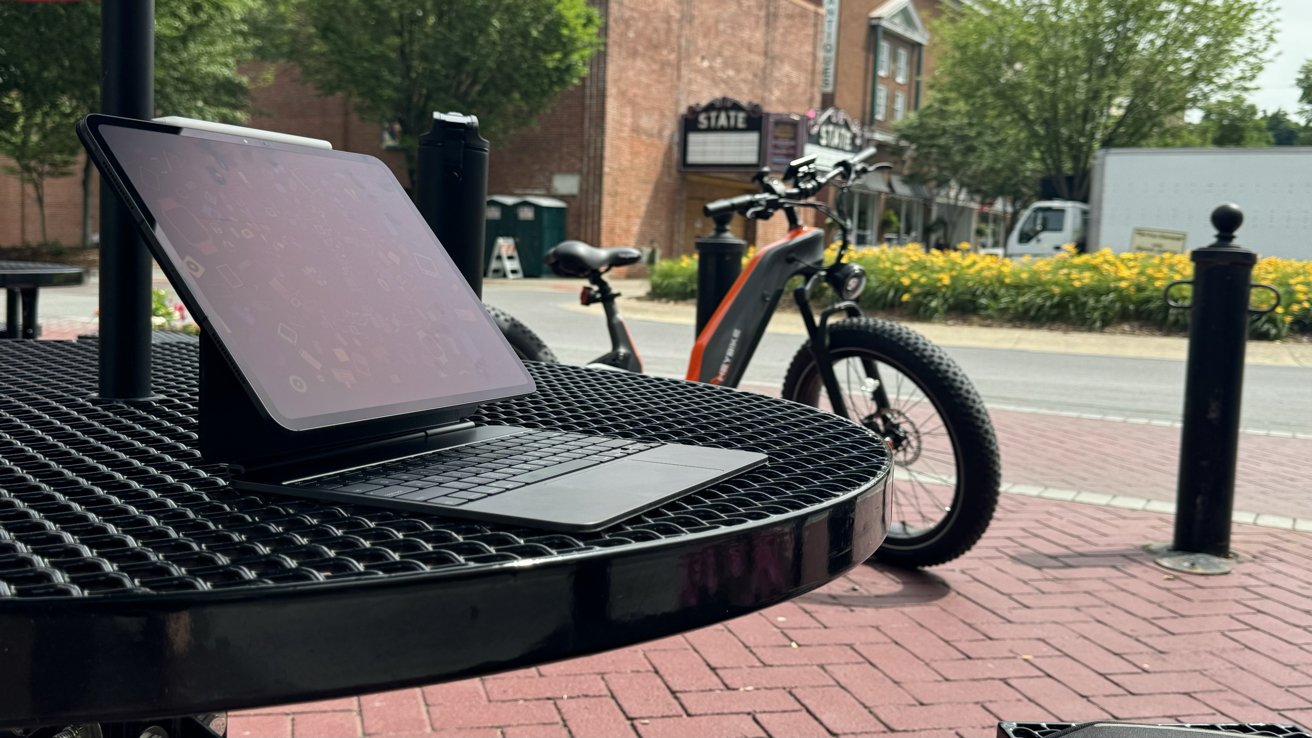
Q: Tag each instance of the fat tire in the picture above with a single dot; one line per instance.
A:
(979, 473)
(527, 345)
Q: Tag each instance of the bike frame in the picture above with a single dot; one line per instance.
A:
(730, 338)
(623, 354)
(726, 344)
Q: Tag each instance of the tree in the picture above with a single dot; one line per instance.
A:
(400, 60)
(1304, 84)
(1286, 131)
(1234, 122)
(1230, 121)
(1072, 76)
(48, 64)
(959, 154)
(40, 146)
(50, 71)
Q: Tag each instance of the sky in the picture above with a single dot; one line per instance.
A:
(1275, 86)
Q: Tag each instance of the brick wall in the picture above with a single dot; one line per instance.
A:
(291, 105)
(664, 55)
(855, 52)
(556, 144)
(20, 222)
(853, 88)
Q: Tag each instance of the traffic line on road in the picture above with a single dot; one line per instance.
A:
(1157, 422)
(1127, 502)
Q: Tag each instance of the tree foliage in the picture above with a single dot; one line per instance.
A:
(50, 76)
(47, 65)
(1067, 77)
(1304, 83)
(1230, 121)
(399, 60)
(960, 154)
(1285, 131)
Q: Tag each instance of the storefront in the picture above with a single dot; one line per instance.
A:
(904, 213)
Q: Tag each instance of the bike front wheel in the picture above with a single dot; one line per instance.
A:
(947, 473)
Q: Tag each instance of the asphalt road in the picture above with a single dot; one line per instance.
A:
(1277, 399)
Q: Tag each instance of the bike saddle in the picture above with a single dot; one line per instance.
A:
(578, 259)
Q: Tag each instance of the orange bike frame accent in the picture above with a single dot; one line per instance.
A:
(719, 341)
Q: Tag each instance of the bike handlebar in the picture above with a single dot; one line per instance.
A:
(739, 204)
(768, 202)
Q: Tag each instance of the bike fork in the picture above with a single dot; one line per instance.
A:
(818, 333)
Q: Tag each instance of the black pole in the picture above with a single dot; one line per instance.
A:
(452, 190)
(127, 69)
(719, 262)
(1209, 445)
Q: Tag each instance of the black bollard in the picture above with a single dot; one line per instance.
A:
(451, 191)
(1214, 378)
(719, 262)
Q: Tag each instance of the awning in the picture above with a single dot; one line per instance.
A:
(875, 182)
(906, 188)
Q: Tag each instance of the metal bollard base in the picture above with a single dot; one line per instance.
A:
(1190, 562)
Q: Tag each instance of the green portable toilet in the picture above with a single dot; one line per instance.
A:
(501, 221)
(540, 224)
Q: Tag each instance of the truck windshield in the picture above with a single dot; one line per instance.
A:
(1042, 220)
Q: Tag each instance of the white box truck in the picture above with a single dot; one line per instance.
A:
(1162, 200)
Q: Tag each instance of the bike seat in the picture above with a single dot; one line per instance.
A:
(578, 259)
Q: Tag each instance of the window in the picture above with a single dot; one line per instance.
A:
(1042, 220)
(899, 105)
(881, 102)
(884, 52)
(900, 73)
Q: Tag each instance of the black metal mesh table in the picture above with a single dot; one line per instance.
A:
(21, 281)
(134, 581)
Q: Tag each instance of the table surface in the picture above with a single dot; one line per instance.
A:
(134, 581)
(39, 274)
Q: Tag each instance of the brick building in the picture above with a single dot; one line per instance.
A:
(613, 143)
(614, 148)
(885, 56)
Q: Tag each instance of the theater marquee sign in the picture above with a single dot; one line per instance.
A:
(723, 134)
(834, 136)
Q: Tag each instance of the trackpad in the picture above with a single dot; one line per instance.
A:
(593, 498)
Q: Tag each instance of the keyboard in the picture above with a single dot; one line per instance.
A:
(456, 476)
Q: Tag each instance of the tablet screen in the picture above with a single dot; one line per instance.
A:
(316, 273)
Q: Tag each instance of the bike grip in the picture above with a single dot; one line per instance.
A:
(728, 205)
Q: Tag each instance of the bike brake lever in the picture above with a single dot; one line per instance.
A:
(758, 212)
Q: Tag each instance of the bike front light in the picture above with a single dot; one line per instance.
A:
(848, 280)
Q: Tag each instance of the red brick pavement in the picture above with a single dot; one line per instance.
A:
(1056, 615)
(1141, 460)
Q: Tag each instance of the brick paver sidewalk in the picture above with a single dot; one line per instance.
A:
(1057, 614)
(1140, 460)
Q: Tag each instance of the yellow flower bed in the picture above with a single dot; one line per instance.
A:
(1087, 290)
